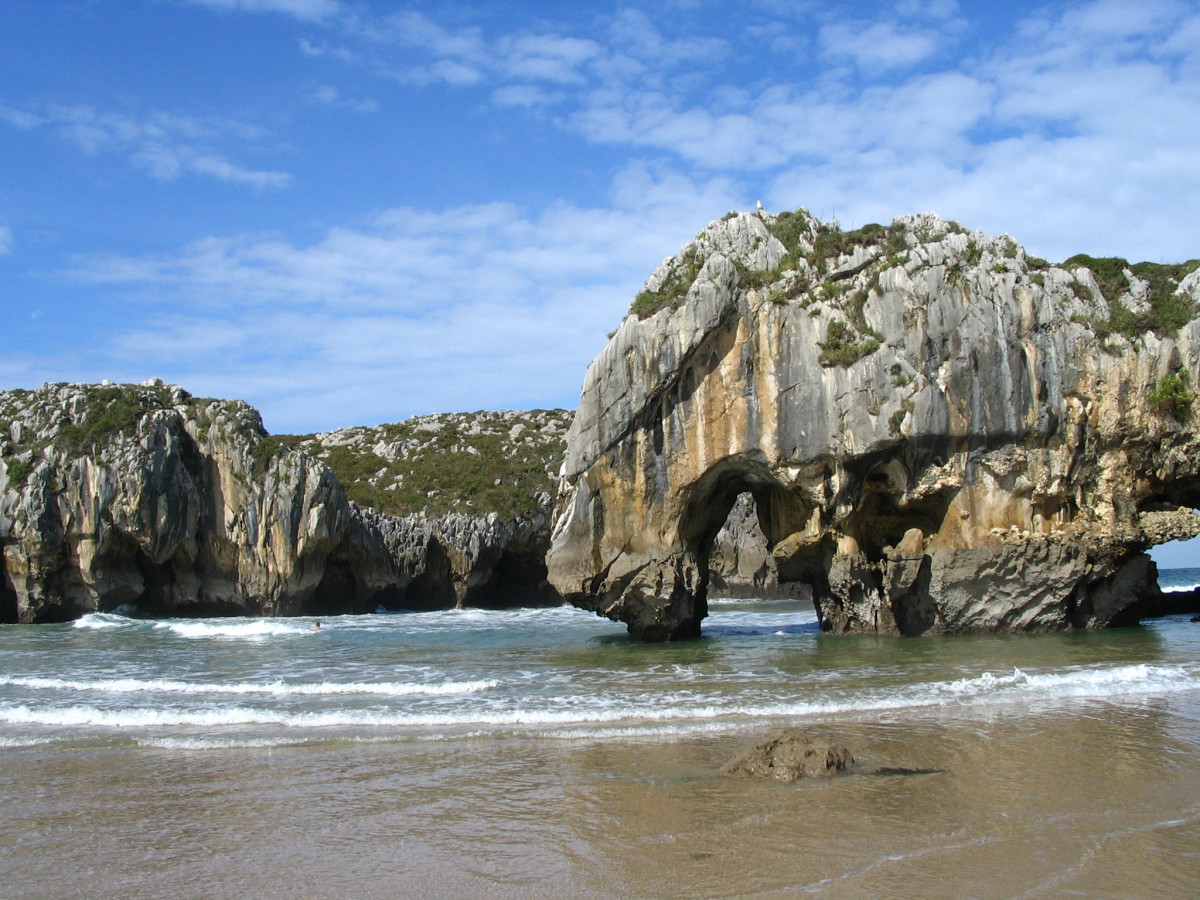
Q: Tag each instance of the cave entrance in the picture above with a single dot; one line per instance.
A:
(735, 514)
(1170, 497)
(741, 565)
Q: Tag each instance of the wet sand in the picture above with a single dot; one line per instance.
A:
(1086, 799)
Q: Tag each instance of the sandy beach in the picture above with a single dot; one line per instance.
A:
(1068, 764)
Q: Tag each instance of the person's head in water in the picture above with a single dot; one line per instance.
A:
(317, 625)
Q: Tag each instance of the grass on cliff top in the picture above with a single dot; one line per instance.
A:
(1167, 311)
(106, 412)
(450, 469)
(672, 292)
(794, 230)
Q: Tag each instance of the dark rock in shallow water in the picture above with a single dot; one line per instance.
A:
(789, 755)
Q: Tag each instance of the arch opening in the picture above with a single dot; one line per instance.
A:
(734, 517)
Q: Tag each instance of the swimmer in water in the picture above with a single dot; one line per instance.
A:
(317, 627)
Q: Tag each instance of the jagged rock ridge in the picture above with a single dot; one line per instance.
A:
(940, 433)
(121, 495)
(146, 497)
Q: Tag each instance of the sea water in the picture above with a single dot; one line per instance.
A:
(543, 753)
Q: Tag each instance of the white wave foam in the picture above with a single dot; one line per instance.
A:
(1180, 588)
(13, 743)
(1081, 682)
(651, 711)
(218, 744)
(256, 629)
(98, 621)
(279, 688)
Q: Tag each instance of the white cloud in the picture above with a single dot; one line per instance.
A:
(879, 46)
(1108, 19)
(472, 307)
(1077, 134)
(20, 118)
(526, 95)
(545, 57)
(331, 96)
(633, 34)
(165, 145)
(6, 240)
(931, 9)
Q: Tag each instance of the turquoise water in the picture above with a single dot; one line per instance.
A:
(541, 752)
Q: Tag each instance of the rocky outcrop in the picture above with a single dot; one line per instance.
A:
(940, 434)
(740, 563)
(146, 497)
(789, 755)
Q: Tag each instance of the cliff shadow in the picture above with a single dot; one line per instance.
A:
(8, 594)
(517, 579)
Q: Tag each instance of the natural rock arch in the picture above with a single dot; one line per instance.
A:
(939, 437)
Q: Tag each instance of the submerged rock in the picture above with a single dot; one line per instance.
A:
(789, 755)
(940, 434)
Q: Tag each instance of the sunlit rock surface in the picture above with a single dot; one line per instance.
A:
(144, 497)
(939, 433)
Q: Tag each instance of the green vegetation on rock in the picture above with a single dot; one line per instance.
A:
(85, 420)
(476, 463)
(797, 233)
(111, 410)
(844, 346)
(1166, 311)
(1173, 396)
(672, 292)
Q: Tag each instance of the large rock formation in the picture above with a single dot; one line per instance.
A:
(939, 433)
(144, 496)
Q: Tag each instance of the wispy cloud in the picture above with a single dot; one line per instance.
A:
(6, 240)
(879, 46)
(328, 95)
(301, 9)
(464, 308)
(165, 145)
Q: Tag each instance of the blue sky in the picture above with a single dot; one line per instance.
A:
(352, 211)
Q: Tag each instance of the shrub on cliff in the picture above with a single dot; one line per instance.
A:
(1173, 397)
(1166, 311)
(843, 346)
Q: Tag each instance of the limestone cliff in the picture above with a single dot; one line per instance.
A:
(940, 433)
(144, 496)
(463, 499)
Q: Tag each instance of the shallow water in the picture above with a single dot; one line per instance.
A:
(541, 753)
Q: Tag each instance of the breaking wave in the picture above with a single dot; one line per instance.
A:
(694, 709)
(279, 688)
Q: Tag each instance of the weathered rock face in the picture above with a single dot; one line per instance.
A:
(740, 563)
(940, 434)
(145, 496)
